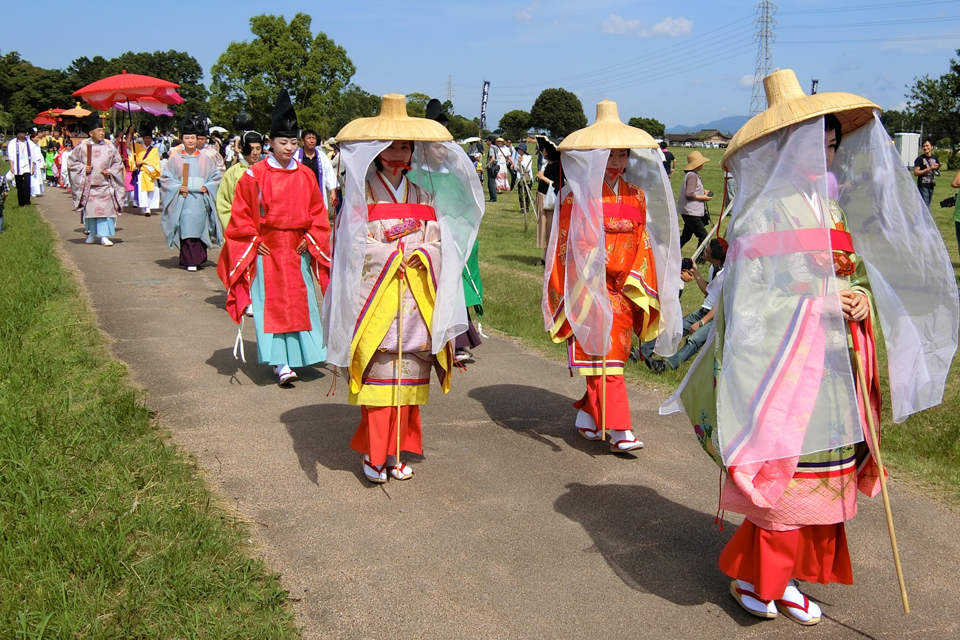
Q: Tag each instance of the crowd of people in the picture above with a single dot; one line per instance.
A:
(785, 383)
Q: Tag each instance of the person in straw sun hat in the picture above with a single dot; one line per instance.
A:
(613, 247)
(395, 302)
(777, 394)
(692, 198)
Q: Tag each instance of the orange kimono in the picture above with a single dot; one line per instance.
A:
(631, 287)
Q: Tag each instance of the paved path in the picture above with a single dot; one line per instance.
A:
(514, 526)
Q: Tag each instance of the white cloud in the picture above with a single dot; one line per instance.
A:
(526, 14)
(672, 27)
(615, 25)
(620, 26)
(746, 82)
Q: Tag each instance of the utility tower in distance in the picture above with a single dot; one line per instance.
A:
(764, 38)
(450, 88)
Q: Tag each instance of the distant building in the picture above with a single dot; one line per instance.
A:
(704, 138)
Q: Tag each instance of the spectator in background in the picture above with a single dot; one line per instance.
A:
(523, 173)
(20, 154)
(669, 160)
(956, 209)
(319, 164)
(697, 324)
(548, 180)
(512, 154)
(691, 200)
(926, 168)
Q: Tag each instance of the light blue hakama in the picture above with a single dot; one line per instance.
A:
(298, 348)
(101, 227)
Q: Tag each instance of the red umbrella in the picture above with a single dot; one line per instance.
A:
(104, 94)
(48, 117)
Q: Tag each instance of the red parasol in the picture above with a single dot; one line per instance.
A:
(48, 116)
(104, 94)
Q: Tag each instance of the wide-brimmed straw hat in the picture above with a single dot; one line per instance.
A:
(393, 123)
(790, 105)
(695, 160)
(608, 132)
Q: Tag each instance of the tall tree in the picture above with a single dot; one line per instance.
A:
(557, 111)
(26, 89)
(651, 125)
(936, 104)
(895, 121)
(354, 103)
(515, 124)
(313, 68)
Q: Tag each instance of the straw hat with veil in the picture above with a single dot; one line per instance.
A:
(431, 222)
(775, 385)
(613, 261)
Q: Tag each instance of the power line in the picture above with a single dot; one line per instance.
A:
(872, 7)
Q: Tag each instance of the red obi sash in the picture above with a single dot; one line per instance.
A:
(626, 211)
(781, 242)
(388, 210)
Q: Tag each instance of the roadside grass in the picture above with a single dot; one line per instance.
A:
(924, 450)
(107, 530)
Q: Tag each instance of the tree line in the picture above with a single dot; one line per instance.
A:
(933, 109)
(248, 76)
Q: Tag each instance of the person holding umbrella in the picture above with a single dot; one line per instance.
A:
(785, 395)
(96, 173)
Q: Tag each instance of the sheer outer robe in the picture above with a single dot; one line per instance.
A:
(375, 372)
(96, 195)
(630, 277)
(779, 314)
(192, 216)
(276, 207)
(458, 231)
(583, 301)
(449, 197)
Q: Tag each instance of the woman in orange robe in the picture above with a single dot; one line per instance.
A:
(629, 260)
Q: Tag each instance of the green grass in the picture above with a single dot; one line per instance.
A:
(925, 450)
(107, 530)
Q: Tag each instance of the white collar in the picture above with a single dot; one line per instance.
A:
(272, 161)
(398, 193)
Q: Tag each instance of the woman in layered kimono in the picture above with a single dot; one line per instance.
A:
(189, 216)
(395, 301)
(613, 247)
(780, 393)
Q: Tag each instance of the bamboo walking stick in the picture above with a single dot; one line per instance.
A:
(875, 443)
(399, 358)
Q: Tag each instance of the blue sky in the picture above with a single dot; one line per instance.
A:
(681, 63)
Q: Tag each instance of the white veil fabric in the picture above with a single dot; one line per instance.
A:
(909, 268)
(458, 198)
(587, 307)
(645, 170)
(786, 385)
(459, 208)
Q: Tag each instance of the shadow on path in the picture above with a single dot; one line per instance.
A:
(321, 435)
(536, 413)
(260, 374)
(653, 544)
